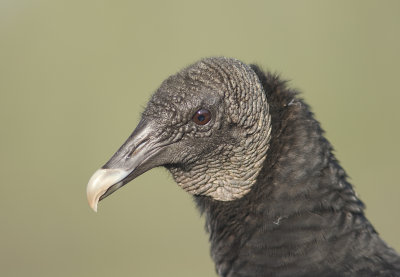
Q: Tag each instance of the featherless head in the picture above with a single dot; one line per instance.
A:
(208, 124)
(216, 115)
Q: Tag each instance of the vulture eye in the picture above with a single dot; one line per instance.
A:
(202, 117)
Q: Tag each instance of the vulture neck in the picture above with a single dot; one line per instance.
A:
(299, 205)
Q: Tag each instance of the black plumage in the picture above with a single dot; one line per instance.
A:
(291, 212)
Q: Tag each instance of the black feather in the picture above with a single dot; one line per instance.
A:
(301, 217)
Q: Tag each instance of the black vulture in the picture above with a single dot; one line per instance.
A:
(276, 200)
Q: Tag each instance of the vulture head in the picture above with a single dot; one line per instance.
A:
(276, 200)
(208, 124)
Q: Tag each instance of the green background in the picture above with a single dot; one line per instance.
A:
(75, 76)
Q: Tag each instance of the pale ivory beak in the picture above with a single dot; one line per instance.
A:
(101, 181)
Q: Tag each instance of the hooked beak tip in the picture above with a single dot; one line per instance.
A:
(94, 206)
(93, 203)
(101, 181)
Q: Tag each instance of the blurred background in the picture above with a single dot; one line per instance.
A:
(75, 76)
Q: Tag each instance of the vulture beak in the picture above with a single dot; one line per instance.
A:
(133, 158)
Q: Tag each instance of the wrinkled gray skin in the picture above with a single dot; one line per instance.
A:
(199, 163)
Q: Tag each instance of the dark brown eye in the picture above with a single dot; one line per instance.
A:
(202, 117)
